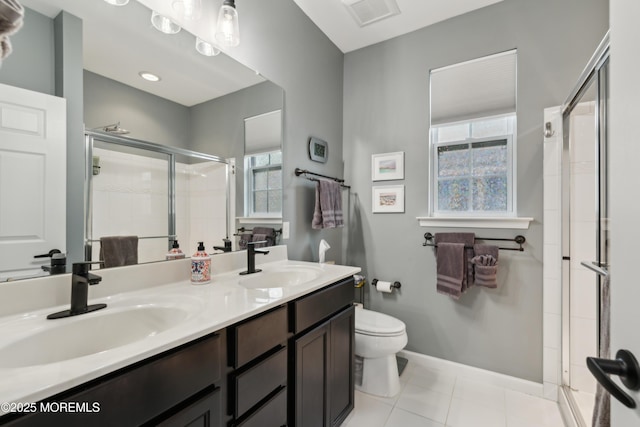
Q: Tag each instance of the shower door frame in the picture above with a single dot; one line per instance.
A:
(594, 73)
(171, 152)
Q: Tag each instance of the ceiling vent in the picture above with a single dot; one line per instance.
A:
(367, 12)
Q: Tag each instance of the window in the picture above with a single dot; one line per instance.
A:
(473, 138)
(263, 184)
(473, 167)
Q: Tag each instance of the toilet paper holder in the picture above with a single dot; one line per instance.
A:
(395, 285)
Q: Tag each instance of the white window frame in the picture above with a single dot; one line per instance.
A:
(511, 167)
(249, 190)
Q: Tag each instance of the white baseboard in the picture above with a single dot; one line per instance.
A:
(488, 377)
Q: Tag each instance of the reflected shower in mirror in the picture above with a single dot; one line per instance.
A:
(156, 194)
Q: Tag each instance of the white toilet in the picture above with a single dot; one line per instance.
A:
(378, 338)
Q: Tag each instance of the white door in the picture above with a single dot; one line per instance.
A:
(624, 191)
(33, 193)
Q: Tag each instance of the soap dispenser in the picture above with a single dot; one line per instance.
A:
(200, 266)
(175, 252)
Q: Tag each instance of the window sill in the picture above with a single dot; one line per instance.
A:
(259, 219)
(519, 223)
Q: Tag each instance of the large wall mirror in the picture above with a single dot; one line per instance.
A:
(198, 106)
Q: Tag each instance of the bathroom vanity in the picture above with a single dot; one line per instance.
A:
(272, 350)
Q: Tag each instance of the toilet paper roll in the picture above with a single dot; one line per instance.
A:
(382, 286)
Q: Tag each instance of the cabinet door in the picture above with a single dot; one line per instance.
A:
(341, 374)
(311, 373)
(204, 412)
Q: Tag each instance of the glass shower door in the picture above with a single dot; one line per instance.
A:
(585, 237)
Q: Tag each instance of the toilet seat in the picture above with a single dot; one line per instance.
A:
(377, 324)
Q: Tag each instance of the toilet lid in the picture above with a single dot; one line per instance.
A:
(379, 324)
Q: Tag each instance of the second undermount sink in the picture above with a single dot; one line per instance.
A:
(89, 334)
(281, 277)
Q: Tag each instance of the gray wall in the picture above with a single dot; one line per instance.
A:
(31, 65)
(217, 126)
(68, 78)
(146, 116)
(286, 47)
(386, 109)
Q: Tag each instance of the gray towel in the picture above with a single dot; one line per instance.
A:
(328, 209)
(259, 238)
(467, 239)
(450, 269)
(485, 265)
(11, 14)
(602, 407)
(244, 239)
(117, 251)
(269, 234)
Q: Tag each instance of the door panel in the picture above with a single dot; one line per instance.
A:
(624, 196)
(32, 179)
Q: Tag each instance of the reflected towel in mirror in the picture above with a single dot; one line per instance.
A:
(117, 251)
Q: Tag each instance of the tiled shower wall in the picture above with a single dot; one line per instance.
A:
(131, 197)
(583, 283)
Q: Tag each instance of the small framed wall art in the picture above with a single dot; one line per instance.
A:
(318, 150)
(387, 166)
(388, 199)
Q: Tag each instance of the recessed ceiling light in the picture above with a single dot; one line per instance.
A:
(149, 76)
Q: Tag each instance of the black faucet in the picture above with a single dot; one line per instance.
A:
(80, 281)
(251, 256)
(225, 248)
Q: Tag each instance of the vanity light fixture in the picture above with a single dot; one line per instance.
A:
(188, 9)
(117, 2)
(227, 30)
(164, 24)
(205, 48)
(149, 76)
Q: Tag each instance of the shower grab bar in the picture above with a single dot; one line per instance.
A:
(518, 239)
(595, 268)
(170, 236)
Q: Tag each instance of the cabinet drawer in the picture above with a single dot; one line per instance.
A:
(257, 336)
(253, 385)
(272, 414)
(136, 395)
(318, 306)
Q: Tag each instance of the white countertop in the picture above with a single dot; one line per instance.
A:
(211, 307)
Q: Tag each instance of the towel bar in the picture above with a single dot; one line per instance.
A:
(518, 239)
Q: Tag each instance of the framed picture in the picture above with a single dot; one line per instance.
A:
(318, 150)
(388, 199)
(387, 166)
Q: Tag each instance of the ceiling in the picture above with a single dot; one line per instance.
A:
(119, 42)
(333, 18)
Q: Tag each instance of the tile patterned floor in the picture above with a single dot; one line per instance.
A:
(430, 398)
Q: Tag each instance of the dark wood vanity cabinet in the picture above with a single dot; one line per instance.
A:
(293, 365)
(322, 360)
(289, 366)
(259, 362)
(181, 387)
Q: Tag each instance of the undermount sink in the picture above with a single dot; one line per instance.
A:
(281, 277)
(89, 334)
